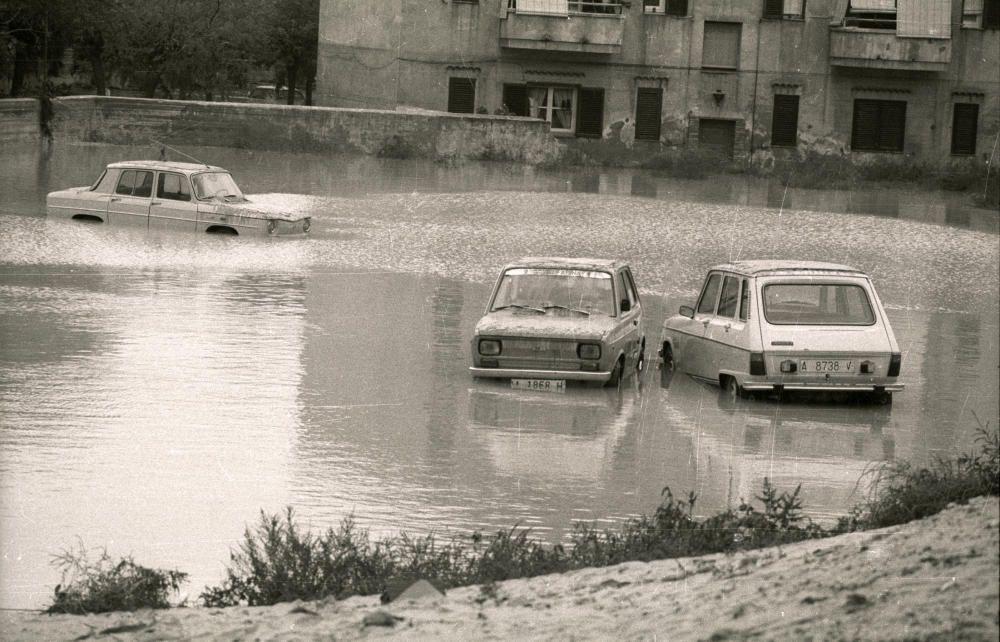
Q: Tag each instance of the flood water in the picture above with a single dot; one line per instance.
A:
(157, 391)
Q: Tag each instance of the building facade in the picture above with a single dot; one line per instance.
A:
(752, 79)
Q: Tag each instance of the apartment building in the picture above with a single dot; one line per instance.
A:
(751, 79)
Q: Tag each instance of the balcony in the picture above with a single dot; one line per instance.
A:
(883, 49)
(582, 26)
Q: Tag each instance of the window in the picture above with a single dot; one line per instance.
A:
(878, 125)
(730, 297)
(515, 99)
(590, 114)
(626, 291)
(745, 301)
(817, 304)
(785, 120)
(871, 14)
(135, 183)
(631, 285)
(174, 187)
(555, 105)
(709, 295)
(648, 111)
(669, 7)
(778, 9)
(721, 48)
(972, 13)
(964, 127)
(106, 183)
(462, 95)
(991, 14)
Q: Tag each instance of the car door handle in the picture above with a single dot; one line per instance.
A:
(113, 199)
(635, 321)
(729, 327)
(156, 203)
(705, 322)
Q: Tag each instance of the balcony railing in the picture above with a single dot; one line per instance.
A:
(585, 26)
(564, 7)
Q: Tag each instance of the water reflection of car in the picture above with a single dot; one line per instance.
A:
(163, 194)
(552, 320)
(772, 326)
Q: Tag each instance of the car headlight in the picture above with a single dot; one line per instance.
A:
(489, 347)
(589, 351)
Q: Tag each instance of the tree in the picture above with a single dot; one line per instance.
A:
(294, 37)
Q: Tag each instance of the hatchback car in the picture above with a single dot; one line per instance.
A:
(553, 320)
(771, 326)
(162, 194)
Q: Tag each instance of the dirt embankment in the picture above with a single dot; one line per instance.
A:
(932, 579)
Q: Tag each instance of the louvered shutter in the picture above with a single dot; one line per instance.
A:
(785, 121)
(648, 110)
(991, 14)
(677, 7)
(865, 127)
(462, 95)
(590, 113)
(773, 8)
(892, 126)
(515, 98)
(964, 128)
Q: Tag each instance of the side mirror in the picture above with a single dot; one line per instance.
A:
(686, 311)
(625, 305)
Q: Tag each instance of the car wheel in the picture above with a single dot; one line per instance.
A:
(640, 364)
(734, 391)
(667, 366)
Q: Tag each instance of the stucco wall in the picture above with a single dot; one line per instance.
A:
(314, 129)
(18, 119)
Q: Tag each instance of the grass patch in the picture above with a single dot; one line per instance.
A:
(278, 561)
(104, 584)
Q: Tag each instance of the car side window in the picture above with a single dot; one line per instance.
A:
(126, 183)
(174, 187)
(745, 301)
(709, 294)
(143, 184)
(631, 285)
(626, 291)
(106, 184)
(730, 297)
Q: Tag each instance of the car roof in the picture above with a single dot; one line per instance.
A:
(785, 267)
(166, 166)
(561, 262)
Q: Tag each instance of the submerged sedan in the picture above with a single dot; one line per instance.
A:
(771, 326)
(552, 320)
(162, 194)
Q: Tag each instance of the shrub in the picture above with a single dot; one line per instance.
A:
(106, 585)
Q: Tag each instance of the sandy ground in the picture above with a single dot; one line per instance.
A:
(932, 579)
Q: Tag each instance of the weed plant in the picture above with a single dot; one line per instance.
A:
(108, 585)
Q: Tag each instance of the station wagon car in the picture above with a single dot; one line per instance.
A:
(771, 326)
(162, 194)
(553, 320)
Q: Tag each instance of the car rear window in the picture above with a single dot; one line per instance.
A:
(817, 304)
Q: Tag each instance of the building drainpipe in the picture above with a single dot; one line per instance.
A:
(753, 106)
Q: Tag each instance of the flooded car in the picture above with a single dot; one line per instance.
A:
(553, 320)
(771, 326)
(165, 194)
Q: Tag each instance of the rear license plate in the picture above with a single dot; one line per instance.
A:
(545, 385)
(827, 366)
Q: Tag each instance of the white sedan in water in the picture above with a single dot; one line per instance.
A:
(162, 194)
(771, 326)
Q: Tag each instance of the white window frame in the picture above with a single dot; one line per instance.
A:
(545, 111)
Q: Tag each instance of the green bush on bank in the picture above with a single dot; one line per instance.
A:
(279, 562)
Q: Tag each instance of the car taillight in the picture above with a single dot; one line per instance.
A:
(895, 363)
(588, 351)
(757, 366)
(489, 347)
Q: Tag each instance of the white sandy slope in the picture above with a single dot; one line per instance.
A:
(934, 579)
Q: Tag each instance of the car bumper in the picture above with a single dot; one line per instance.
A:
(830, 386)
(521, 373)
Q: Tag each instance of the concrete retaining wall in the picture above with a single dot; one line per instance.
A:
(119, 120)
(18, 120)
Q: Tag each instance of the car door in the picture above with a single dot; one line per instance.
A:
(726, 333)
(129, 205)
(696, 356)
(172, 206)
(632, 319)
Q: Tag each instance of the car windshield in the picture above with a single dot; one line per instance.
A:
(555, 291)
(817, 304)
(216, 184)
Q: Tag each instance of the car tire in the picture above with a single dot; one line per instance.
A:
(616, 374)
(667, 366)
(733, 390)
(640, 364)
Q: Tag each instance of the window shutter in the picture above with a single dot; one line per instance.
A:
(865, 129)
(590, 113)
(773, 8)
(991, 14)
(785, 121)
(515, 98)
(892, 124)
(462, 95)
(677, 7)
(648, 111)
(964, 128)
